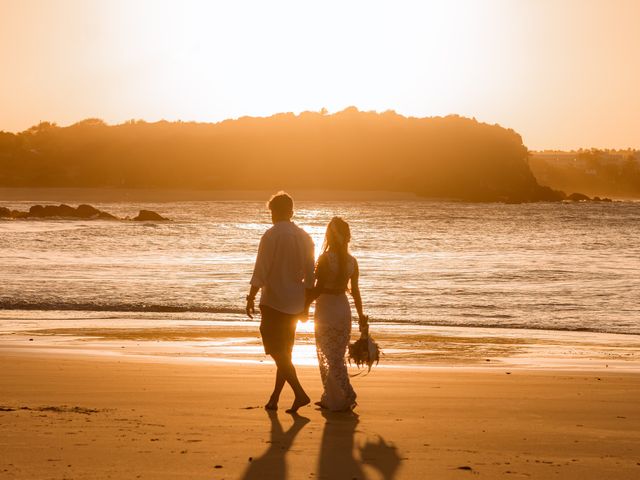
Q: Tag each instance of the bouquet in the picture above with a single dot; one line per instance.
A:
(364, 351)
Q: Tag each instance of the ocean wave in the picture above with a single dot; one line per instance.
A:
(476, 321)
(114, 307)
(481, 315)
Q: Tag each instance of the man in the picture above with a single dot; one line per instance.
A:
(284, 271)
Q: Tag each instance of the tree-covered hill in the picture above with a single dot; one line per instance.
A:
(441, 157)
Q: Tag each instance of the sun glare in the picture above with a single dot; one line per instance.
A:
(201, 58)
(305, 327)
(304, 354)
(501, 62)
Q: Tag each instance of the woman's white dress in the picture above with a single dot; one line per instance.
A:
(332, 331)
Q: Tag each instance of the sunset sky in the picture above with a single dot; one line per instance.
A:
(563, 73)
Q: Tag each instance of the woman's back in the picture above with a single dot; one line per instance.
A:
(335, 276)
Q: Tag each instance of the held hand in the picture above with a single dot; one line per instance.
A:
(304, 316)
(364, 332)
(251, 308)
(363, 323)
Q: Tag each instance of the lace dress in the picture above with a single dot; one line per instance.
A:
(332, 332)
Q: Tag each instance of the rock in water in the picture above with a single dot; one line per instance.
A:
(66, 211)
(18, 214)
(106, 216)
(149, 215)
(87, 211)
(36, 211)
(578, 197)
(51, 211)
(62, 211)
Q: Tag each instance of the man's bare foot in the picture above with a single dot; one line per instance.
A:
(272, 404)
(299, 402)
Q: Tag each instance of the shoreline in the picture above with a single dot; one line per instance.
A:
(171, 339)
(19, 309)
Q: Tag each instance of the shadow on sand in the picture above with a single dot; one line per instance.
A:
(272, 463)
(339, 459)
(340, 456)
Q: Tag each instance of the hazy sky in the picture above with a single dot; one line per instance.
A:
(563, 73)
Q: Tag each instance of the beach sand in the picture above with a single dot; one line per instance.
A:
(66, 416)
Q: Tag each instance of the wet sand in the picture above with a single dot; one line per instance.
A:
(205, 340)
(89, 416)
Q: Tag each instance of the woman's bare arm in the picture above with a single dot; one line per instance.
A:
(321, 278)
(363, 320)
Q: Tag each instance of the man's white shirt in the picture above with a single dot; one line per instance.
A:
(284, 267)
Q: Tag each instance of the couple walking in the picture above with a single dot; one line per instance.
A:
(291, 280)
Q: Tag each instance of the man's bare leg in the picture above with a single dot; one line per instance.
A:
(272, 404)
(288, 371)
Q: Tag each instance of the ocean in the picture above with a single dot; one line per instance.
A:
(545, 266)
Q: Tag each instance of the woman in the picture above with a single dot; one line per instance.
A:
(335, 269)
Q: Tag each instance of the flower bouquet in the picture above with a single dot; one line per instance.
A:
(364, 351)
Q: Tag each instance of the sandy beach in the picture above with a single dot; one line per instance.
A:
(88, 416)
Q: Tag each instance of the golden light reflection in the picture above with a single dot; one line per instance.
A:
(314, 221)
(304, 354)
(305, 327)
(304, 350)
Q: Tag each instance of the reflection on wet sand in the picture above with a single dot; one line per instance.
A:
(239, 342)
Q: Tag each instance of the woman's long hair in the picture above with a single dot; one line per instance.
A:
(336, 240)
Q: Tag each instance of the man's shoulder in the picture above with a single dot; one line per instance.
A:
(303, 233)
(270, 235)
(281, 228)
(287, 229)
(270, 230)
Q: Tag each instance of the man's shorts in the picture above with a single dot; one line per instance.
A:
(278, 330)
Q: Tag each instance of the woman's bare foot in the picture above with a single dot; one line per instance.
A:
(299, 402)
